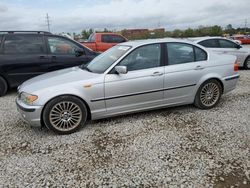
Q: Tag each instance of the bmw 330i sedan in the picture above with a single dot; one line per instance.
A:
(130, 77)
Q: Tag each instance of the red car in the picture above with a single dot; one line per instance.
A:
(243, 38)
(100, 42)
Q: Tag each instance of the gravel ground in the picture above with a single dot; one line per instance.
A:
(174, 147)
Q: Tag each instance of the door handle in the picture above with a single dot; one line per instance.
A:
(199, 68)
(42, 57)
(53, 57)
(157, 74)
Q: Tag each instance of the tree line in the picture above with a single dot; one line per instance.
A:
(177, 33)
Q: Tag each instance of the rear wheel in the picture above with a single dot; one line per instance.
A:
(65, 114)
(247, 63)
(3, 87)
(208, 94)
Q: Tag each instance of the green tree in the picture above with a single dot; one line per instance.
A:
(87, 33)
(216, 31)
(189, 33)
(177, 33)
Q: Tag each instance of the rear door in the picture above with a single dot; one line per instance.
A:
(62, 53)
(185, 66)
(23, 56)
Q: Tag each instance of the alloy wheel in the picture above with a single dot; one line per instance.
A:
(65, 115)
(210, 94)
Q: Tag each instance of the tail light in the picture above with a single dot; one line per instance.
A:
(236, 66)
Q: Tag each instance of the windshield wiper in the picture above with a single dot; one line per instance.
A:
(87, 69)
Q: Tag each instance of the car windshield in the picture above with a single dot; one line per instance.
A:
(102, 62)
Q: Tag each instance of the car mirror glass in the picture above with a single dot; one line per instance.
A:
(121, 69)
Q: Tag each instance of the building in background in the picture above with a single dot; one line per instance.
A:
(133, 34)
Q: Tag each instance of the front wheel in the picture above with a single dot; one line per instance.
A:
(65, 114)
(208, 94)
(247, 63)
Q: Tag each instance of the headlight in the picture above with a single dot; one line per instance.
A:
(28, 98)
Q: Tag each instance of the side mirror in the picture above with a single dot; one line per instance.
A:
(79, 52)
(121, 69)
(239, 46)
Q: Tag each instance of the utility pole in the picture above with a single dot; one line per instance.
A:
(48, 21)
(245, 26)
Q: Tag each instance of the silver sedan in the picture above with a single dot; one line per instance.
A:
(130, 77)
(221, 45)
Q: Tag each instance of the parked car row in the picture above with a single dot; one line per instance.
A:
(129, 77)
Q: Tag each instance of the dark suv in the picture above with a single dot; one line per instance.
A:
(24, 55)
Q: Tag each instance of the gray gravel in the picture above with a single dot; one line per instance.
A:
(175, 147)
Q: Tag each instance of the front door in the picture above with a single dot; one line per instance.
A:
(141, 87)
(62, 54)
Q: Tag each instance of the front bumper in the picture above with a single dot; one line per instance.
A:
(30, 114)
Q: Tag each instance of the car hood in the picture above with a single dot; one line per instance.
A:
(56, 78)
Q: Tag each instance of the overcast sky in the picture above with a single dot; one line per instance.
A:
(75, 15)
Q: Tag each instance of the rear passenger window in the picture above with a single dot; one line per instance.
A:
(106, 38)
(179, 53)
(17, 44)
(200, 55)
(112, 39)
(211, 43)
(117, 39)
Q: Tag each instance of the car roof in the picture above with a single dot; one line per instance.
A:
(199, 39)
(137, 43)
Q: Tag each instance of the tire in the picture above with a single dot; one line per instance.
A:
(247, 63)
(65, 114)
(208, 95)
(3, 87)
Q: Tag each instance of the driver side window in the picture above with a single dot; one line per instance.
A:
(227, 44)
(144, 57)
(61, 46)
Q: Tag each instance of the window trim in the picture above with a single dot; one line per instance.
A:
(162, 63)
(191, 45)
(2, 46)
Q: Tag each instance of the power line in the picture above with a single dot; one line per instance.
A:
(48, 21)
